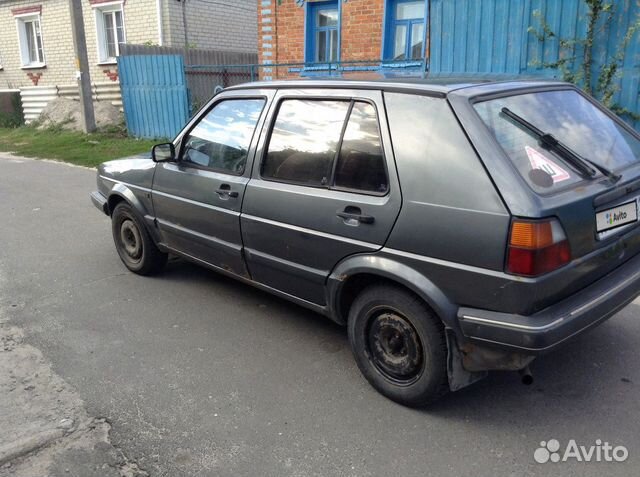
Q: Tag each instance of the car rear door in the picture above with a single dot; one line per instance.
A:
(324, 186)
(197, 199)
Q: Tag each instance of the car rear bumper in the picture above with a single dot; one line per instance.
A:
(548, 328)
(100, 201)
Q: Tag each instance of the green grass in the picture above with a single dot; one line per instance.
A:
(74, 147)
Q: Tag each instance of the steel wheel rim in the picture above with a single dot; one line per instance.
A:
(394, 347)
(130, 240)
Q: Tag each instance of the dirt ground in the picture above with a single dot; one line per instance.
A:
(46, 429)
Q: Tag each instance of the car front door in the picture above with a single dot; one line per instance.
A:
(197, 198)
(325, 187)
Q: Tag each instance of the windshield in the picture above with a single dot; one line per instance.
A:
(573, 120)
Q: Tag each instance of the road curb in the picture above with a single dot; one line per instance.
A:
(14, 157)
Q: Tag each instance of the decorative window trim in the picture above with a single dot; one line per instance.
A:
(23, 11)
(34, 67)
(23, 16)
(309, 27)
(105, 3)
(388, 31)
(100, 8)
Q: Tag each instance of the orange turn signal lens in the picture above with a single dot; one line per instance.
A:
(531, 234)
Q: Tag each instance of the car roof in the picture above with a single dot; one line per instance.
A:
(440, 86)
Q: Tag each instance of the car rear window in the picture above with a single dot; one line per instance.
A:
(569, 117)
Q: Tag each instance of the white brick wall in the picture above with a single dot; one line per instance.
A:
(219, 24)
(140, 25)
(56, 40)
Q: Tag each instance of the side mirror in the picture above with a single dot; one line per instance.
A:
(165, 152)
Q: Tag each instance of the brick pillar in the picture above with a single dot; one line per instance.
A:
(280, 35)
(267, 38)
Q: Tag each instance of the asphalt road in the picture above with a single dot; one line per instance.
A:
(201, 376)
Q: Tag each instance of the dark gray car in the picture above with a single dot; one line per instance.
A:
(453, 228)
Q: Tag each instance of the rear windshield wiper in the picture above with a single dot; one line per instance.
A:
(549, 142)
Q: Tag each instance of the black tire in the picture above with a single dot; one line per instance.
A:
(133, 242)
(399, 345)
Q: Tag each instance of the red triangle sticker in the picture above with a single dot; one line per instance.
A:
(540, 161)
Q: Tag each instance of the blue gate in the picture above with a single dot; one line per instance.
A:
(154, 95)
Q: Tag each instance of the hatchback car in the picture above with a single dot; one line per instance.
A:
(454, 228)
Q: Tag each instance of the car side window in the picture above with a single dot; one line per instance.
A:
(221, 139)
(310, 145)
(360, 163)
(304, 141)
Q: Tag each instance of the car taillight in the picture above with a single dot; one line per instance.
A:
(536, 247)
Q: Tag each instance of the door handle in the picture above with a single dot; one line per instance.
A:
(225, 189)
(355, 214)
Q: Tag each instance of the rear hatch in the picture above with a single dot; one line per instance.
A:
(579, 164)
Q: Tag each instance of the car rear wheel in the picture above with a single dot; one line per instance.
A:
(133, 242)
(399, 345)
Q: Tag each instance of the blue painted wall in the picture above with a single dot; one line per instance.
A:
(154, 95)
(491, 37)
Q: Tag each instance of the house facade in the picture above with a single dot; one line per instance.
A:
(342, 30)
(456, 38)
(36, 45)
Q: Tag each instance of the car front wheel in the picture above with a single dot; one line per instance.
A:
(399, 345)
(133, 242)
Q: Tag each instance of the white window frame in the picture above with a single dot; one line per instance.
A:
(101, 34)
(25, 60)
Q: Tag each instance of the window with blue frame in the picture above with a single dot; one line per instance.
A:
(323, 32)
(405, 30)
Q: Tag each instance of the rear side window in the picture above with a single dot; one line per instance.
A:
(570, 118)
(360, 165)
(327, 143)
(221, 139)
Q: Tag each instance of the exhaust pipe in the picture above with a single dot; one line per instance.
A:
(526, 376)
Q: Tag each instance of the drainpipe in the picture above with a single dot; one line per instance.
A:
(159, 15)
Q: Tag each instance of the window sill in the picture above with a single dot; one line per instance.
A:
(402, 63)
(35, 66)
(107, 63)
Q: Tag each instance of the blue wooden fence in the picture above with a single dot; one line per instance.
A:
(154, 94)
(492, 37)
